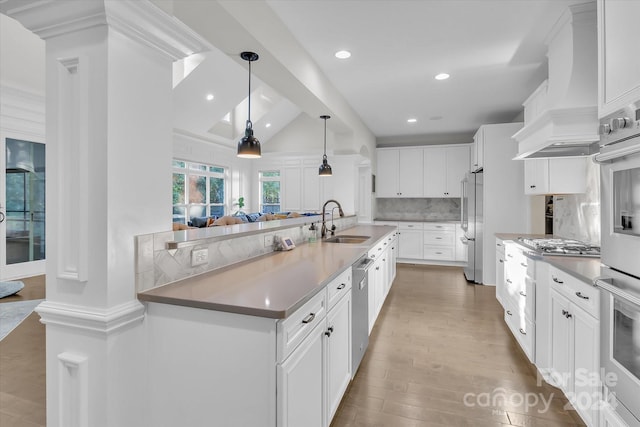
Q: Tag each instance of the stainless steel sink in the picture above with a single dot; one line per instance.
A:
(347, 239)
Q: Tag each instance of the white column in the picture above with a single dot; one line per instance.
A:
(109, 150)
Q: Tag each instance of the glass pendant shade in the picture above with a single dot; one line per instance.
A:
(249, 146)
(325, 168)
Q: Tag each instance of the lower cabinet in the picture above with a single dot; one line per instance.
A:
(410, 241)
(500, 271)
(381, 274)
(575, 350)
(300, 383)
(313, 378)
(338, 338)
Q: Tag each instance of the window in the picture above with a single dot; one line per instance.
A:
(269, 191)
(198, 191)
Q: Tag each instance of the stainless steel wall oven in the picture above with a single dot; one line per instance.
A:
(620, 255)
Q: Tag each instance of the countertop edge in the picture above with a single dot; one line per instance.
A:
(282, 310)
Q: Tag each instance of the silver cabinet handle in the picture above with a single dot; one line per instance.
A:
(309, 318)
(522, 331)
(438, 238)
(579, 295)
(555, 279)
(566, 314)
(342, 286)
(509, 313)
(499, 244)
(377, 268)
(523, 264)
(501, 261)
(510, 256)
(329, 331)
(509, 281)
(523, 294)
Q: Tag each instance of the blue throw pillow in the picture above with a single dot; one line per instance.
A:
(252, 217)
(199, 221)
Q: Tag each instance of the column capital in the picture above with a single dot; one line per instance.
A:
(139, 20)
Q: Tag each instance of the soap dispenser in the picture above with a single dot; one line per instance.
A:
(313, 233)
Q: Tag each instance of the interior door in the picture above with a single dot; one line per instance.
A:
(22, 209)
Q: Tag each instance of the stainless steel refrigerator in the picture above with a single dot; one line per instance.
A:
(471, 206)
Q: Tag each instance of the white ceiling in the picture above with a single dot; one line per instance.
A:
(494, 51)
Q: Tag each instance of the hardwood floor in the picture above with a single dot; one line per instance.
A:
(439, 355)
(22, 365)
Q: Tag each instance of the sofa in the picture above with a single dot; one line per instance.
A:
(237, 218)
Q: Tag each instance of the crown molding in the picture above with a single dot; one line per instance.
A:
(139, 20)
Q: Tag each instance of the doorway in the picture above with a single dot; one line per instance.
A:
(22, 209)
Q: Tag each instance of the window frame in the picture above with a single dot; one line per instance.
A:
(262, 179)
(195, 169)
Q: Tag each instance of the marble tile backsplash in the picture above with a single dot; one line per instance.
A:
(157, 266)
(577, 216)
(418, 209)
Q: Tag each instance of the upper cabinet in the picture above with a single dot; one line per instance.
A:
(618, 55)
(444, 168)
(477, 159)
(555, 176)
(399, 172)
(432, 171)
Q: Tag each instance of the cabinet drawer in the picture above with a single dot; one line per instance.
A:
(293, 330)
(410, 225)
(439, 252)
(439, 237)
(582, 294)
(522, 328)
(430, 226)
(526, 298)
(500, 246)
(338, 287)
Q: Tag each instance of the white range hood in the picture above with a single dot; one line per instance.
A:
(561, 116)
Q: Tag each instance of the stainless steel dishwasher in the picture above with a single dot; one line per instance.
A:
(360, 314)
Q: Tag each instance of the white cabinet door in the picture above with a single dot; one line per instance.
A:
(292, 191)
(536, 176)
(586, 361)
(378, 283)
(410, 244)
(435, 171)
(457, 165)
(338, 337)
(561, 341)
(555, 176)
(618, 59)
(500, 271)
(387, 173)
(478, 150)
(410, 172)
(300, 383)
(373, 289)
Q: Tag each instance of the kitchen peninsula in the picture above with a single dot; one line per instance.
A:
(223, 342)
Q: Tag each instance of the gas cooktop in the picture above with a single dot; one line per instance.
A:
(560, 247)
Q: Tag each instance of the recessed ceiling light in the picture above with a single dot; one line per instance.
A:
(442, 76)
(210, 97)
(343, 54)
(412, 120)
(268, 125)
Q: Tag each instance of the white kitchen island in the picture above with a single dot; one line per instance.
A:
(265, 342)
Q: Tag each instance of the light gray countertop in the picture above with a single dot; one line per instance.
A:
(273, 285)
(583, 268)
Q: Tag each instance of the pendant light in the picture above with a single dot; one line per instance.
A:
(325, 168)
(249, 146)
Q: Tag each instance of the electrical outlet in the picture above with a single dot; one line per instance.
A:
(199, 257)
(268, 240)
